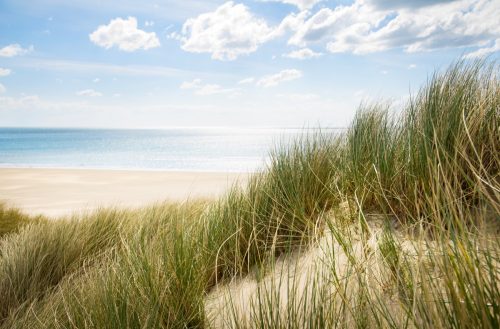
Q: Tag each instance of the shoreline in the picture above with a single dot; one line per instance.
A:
(35, 167)
(64, 191)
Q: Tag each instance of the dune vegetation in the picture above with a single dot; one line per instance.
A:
(392, 223)
(12, 220)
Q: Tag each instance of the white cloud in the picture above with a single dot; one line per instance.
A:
(299, 97)
(2, 89)
(226, 33)
(89, 93)
(365, 26)
(191, 84)
(96, 80)
(208, 89)
(15, 50)
(360, 93)
(99, 68)
(4, 72)
(34, 102)
(7, 103)
(124, 34)
(212, 89)
(149, 23)
(412, 66)
(482, 52)
(370, 26)
(304, 53)
(275, 79)
(246, 81)
(388, 4)
(301, 4)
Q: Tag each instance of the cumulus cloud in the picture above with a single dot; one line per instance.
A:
(275, 79)
(226, 33)
(124, 34)
(15, 50)
(304, 53)
(482, 52)
(388, 4)
(4, 72)
(368, 26)
(207, 89)
(2, 89)
(301, 4)
(292, 22)
(89, 93)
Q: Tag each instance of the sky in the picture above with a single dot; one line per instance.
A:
(254, 63)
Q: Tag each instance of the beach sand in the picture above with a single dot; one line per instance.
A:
(58, 192)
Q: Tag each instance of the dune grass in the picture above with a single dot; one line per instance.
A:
(393, 223)
(12, 220)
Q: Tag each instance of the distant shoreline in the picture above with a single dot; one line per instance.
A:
(165, 170)
(61, 192)
(232, 128)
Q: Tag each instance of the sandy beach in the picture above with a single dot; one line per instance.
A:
(57, 192)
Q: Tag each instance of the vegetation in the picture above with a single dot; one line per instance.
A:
(12, 220)
(393, 223)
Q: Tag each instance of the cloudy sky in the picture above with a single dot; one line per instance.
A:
(164, 63)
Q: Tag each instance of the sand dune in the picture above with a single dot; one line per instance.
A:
(57, 192)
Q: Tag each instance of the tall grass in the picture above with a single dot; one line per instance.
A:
(278, 210)
(393, 223)
(12, 220)
(449, 130)
(154, 280)
(38, 258)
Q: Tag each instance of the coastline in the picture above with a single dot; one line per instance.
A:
(63, 191)
(106, 168)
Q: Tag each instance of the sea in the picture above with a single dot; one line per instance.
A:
(174, 149)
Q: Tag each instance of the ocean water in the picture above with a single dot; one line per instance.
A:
(192, 149)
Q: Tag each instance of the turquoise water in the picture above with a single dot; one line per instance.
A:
(203, 149)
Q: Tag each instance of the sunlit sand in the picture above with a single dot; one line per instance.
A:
(56, 192)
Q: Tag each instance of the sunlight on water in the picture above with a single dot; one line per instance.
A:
(196, 149)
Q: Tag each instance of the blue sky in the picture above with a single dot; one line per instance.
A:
(164, 63)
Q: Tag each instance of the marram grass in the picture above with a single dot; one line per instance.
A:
(12, 220)
(393, 223)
